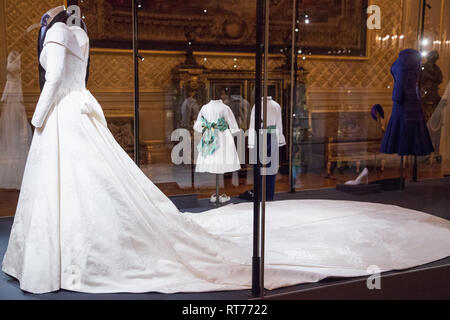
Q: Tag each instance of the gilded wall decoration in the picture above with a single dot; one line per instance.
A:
(19, 15)
(334, 26)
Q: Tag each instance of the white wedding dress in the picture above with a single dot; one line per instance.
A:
(89, 220)
(15, 131)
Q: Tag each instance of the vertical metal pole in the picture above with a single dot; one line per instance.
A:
(421, 37)
(422, 25)
(217, 189)
(256, 261)
(293, 85)
(264, 187)
(402, 184)
(136, 82)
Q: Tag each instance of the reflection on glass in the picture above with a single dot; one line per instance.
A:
(189, 110)
(15, 131)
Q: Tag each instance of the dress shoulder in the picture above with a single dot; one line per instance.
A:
(61, 34)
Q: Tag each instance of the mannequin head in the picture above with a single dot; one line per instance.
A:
(52, 13)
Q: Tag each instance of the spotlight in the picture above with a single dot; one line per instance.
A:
(424, 54)
(306, 21)
(425, 42)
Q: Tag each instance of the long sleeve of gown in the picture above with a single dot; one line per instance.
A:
(56, 54)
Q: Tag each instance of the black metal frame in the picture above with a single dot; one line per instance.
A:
(256, 259)
(136, 58)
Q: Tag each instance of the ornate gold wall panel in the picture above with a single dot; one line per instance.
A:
(19, 15)
(333, 83)
(372, 73)
(3, 52)
(226, 25)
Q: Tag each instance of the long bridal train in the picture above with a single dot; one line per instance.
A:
(89, 220)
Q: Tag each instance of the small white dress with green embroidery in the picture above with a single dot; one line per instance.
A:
(220, 155)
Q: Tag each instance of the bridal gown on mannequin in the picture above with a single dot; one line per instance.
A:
(89, 220)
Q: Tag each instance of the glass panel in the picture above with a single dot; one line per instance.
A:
(343, 95)
(434, 88)
(206, 57)
(342, 70)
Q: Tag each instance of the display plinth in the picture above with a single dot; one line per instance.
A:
(359, 189)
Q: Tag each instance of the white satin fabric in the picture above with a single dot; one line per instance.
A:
(89, 220)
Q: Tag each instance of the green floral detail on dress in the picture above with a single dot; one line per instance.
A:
(272, 129)
(209, 143)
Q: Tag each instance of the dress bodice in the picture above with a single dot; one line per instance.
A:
(406, 72)
(13, 67)
(75, 62)
(212, 112)
(64, 57)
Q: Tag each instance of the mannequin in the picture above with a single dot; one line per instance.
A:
(274, 128)
(407, 133)
(58, 14)
(216, 151)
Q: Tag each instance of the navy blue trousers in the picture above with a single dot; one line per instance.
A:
(270, 179)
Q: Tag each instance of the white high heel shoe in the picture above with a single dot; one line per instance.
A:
(213, 198)
(224, 198)
(363, 178)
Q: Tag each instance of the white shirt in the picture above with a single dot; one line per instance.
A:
(273, 119)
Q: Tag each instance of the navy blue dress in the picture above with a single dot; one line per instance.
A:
(407, 133)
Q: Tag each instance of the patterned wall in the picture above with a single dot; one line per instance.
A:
(19, 15)
(112, 72)
(324, 74)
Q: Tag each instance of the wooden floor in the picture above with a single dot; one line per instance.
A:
(8, 202)
(311, 181)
